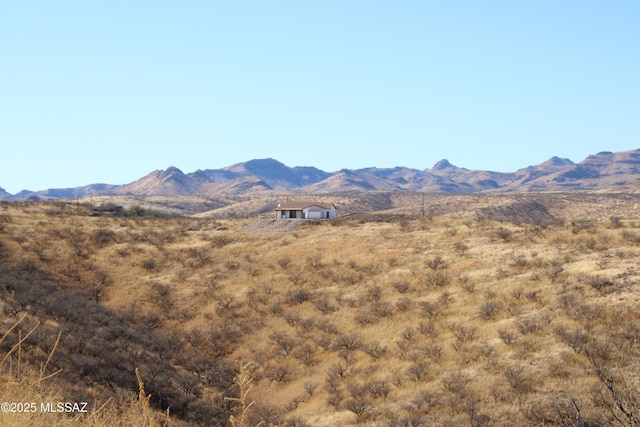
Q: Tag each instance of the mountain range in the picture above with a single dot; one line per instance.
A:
(604, 170)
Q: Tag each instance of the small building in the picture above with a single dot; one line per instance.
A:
(305, 210)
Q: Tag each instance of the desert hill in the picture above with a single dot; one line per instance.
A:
(604, 170)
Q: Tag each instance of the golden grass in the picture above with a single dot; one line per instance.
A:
(444, 320)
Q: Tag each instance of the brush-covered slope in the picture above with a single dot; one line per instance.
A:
(378, 320)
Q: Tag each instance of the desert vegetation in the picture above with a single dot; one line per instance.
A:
(504, 316)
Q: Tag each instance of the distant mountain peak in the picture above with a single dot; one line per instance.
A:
(443, 164)
(171, 171)
(557, 161)
(264, 162)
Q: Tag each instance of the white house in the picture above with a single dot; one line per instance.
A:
(305, 210)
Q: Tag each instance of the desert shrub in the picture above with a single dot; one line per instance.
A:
(296, 277)
(365, 318)
(348, 342)
(335, 398)
(337, 371)
(307, 354)
(296, 421)
(418, 371)
(425, 401)
(463, 333)
(507, 336)
(530, 324)
(314, 260)
(435, 262)
(268, 415)
(103, 237)
(455, 382)
(292, 318)
(401, 287)
(374, 293)
(283, 343)
(437, 279)
(299, 296)
(324, 306)
(569, 412)
(149, 264)
(375, 350)
(600, 284)
(310, 388)
(489, 309)
(582, 225)
(519, 261)
(279, 373)
(358, 406)
(382, 309)
(577, 338)
(553, 271)
(378, 388)
(461, 248)
(631, 237)
(137, 210)
(517, 293)
(356, 389)
(326, 326)
(431, 309)
(404, 304)
(616, 221)
(517, 379)
(504, 233)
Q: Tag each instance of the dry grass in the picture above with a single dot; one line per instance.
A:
(450, 319)
(30, 396)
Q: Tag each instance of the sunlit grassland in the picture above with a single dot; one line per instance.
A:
(439, 320)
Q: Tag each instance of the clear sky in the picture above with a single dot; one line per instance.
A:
(108, 91)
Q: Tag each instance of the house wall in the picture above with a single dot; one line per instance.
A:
(310, 212)
(314, 213)
(288, 214)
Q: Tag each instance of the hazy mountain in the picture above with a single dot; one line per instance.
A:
(403, 178)
(350, 180)
(4, 195)
(276, 175)
(602, 170)
(243, 185)
(461, 180)
(65, 193)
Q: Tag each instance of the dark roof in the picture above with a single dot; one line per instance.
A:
(298, 206)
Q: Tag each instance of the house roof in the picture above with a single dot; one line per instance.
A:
(298, 206)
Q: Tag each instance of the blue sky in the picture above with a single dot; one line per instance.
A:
(109, 91)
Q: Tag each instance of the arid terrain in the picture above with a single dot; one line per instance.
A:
(407, 310)
(605, 170)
